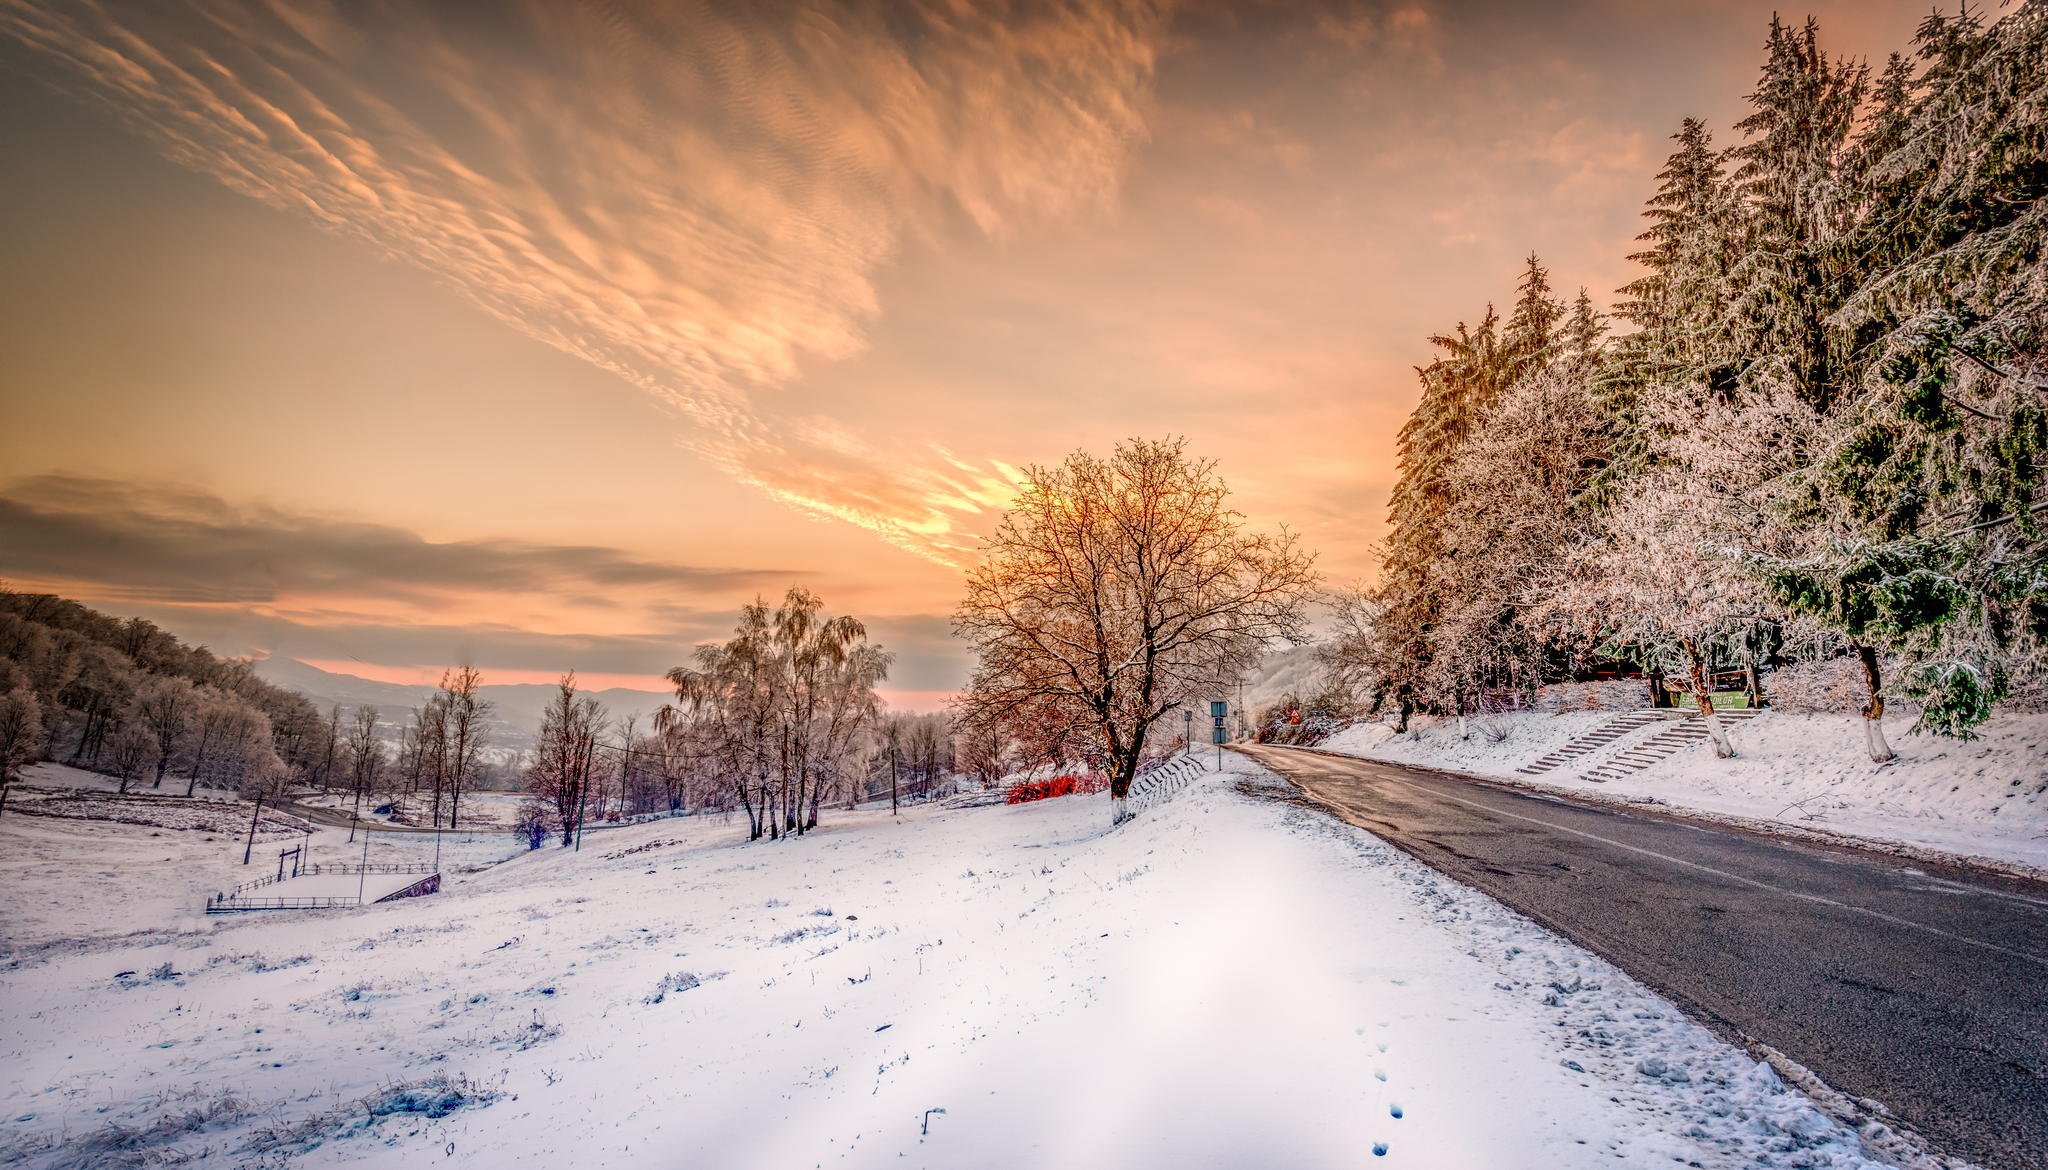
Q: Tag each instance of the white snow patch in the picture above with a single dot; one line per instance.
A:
(1224, 981)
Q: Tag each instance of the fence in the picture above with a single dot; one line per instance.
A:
(229, 901)
(339, 868)
(229, 904)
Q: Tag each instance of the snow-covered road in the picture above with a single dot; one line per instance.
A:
(1227, 981)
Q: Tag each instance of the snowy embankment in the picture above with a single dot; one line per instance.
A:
(1985, 797)
(1227, 981)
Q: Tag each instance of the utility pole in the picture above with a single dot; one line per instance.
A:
(253, 817)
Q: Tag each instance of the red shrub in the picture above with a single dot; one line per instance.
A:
(1025, 791)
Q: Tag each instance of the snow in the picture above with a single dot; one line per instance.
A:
(1985, 797)
(1226, 980)
(86, 882)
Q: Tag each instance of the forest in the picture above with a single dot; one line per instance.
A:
(124, 697)
(1809, 444)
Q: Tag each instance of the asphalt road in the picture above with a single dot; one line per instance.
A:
(1914, 985)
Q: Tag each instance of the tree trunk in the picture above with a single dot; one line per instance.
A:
(1122, 772)
(1704, 696)
(1406, 708)
(1873, 711)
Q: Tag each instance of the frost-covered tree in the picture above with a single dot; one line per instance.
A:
(779, 709)
(131, 752)
(1115, 589)
(21, 735)
(362, 754)
(1520, 481)
(167, 705)
(565, 756)
(464, 729)
(1796, 209)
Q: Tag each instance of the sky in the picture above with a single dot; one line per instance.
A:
(385, 336)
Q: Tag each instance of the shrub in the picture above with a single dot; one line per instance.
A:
(1026, 791)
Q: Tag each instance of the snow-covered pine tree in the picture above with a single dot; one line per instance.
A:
(1679, 306)
(1789, 273)
(1932, 479)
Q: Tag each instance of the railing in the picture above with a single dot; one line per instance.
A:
(1162, 778)
(331, 868)
(229, 904)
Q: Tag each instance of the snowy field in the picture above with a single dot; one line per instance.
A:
(1228, 981)
(75, 882)
(1985, 797)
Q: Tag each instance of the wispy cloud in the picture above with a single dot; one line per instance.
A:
(385, 602)
(191, 546)
(696, 200)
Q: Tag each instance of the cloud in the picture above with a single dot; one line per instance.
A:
(386, 603)
(185, 546)
(695, 200)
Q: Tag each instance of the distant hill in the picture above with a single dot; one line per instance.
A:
(516, 707)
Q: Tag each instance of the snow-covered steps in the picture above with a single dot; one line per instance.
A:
(1682, 734)
(1591, 742)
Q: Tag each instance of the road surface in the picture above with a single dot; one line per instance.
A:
(1914, 985)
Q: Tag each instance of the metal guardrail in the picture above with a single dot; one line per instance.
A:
(1166, 777)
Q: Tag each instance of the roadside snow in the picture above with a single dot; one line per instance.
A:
(1985, 797)
(1227, 981)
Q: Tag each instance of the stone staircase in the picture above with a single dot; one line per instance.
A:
(1592, 741)
(1684, 731)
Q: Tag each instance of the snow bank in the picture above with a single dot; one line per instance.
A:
(1985, 797)
(1227, 981)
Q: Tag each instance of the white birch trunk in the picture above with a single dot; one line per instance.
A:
(1723, 750)
(1873, 737)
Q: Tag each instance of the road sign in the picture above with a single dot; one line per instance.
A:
(1218, 709)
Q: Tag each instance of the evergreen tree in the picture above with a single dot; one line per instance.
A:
(1789, 272)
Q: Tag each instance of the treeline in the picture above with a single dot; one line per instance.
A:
(778, 721)
(440, 757)
(122, 696)
(1817, 435)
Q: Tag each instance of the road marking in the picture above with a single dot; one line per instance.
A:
(1819, 899)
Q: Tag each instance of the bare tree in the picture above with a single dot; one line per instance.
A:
(21, 735)
(1116, 588)
(464, 733)
(981, 752)
(131, 752)
(364, 755)
(166, 706)
(563, 757)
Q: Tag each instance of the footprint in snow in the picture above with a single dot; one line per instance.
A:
(1379, 1149)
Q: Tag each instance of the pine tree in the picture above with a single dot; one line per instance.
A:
(1932, 477)
(1789, 273)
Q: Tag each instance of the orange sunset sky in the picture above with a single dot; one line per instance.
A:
(382, 336)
